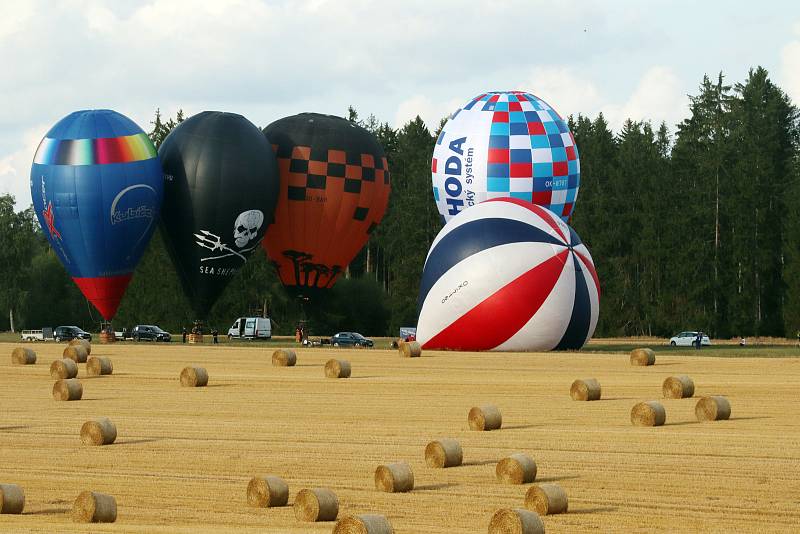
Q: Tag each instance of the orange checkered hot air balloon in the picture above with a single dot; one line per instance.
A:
(334, 189)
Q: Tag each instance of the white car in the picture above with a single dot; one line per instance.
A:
(687, 339)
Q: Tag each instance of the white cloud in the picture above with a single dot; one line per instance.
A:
(790, 66)
(562, 88)
(15, 167)
(659, 96)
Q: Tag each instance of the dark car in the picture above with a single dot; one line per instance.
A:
(149, 332)
(350, 339)
(67, 333)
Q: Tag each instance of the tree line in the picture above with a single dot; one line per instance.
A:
(695, 228)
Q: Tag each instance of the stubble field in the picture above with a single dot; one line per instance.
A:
(184, 456)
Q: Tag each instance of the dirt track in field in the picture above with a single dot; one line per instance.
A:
(184, 456)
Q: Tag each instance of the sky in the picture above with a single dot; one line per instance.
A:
(396, 60)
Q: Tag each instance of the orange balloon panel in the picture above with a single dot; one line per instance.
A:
(334, 191)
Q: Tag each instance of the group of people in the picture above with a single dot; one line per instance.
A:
(197, 330)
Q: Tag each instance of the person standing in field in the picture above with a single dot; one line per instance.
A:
(699, 340)
(184, 335)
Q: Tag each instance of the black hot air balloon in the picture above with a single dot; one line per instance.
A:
(220, 190)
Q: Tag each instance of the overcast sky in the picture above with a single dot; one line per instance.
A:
(270, 59)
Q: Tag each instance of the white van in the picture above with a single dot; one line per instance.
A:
(251, 328)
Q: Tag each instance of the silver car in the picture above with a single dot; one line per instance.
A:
(687, 339)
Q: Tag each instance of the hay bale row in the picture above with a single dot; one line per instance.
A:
(394, 478)
(94, 507)
(23, 356)
(100, 431)
(678, 387)
(63, 368)
(267, 492)
(650, 413)
(98, 365)
(68, 389)
(12, 499)
(643, 357)
(363, 524)
(483, 418)
(518, 468)
(193, 376)
(284, 358)
(546, 499)
(515, 521)
(586, 389)
(77, 353)
(317, 504)
(714, 408)
(337, 368)
(443, 453)
(409, 349)
(82, 342)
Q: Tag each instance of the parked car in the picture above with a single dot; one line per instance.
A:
(687, 339)
(350, 339)
(68, 333)
(149, 332)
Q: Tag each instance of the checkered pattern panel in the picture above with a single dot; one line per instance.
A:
(532, 154)
(310, 170)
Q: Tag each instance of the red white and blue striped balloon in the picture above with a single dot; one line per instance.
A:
(507, 275)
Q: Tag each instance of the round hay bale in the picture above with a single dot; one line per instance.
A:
(267, 492)
(643, 357)
(82, 342)
(410, 349)
(94, 507)
(714, 408)
(394, 478)
(63, 368)
(67, 389)
(318, 504)
(76, 353)
(443, 453)
(194, 377)
(515, 521)
(12, 499)
(337, 368)
(585, 389)
(546, 499)
(284, 358)
(484, 418)
(23, 356)
(518, 468)
(363, 524)
(100, 431)
(678, 387)
(650, 413)
(99, 365)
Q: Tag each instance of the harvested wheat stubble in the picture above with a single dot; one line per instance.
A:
(83, 343)
(518, 468)
(67, 389)
(284, 358)
(410, 349)
(443, 453)
(678, 387)
(363, 524)
(94, 507)
(76, 353)
(394, 478)
(515, 521)
(546, 499)
(12, 499)
(63, 368)
(586, 389)
(318, 504)
(643, 357)
(23, 356)
(714, 408)
(267, 492)
(100, 431)
(487, 417)
(96, 366)
(650, 413)
(337, 368)
(194, 377)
